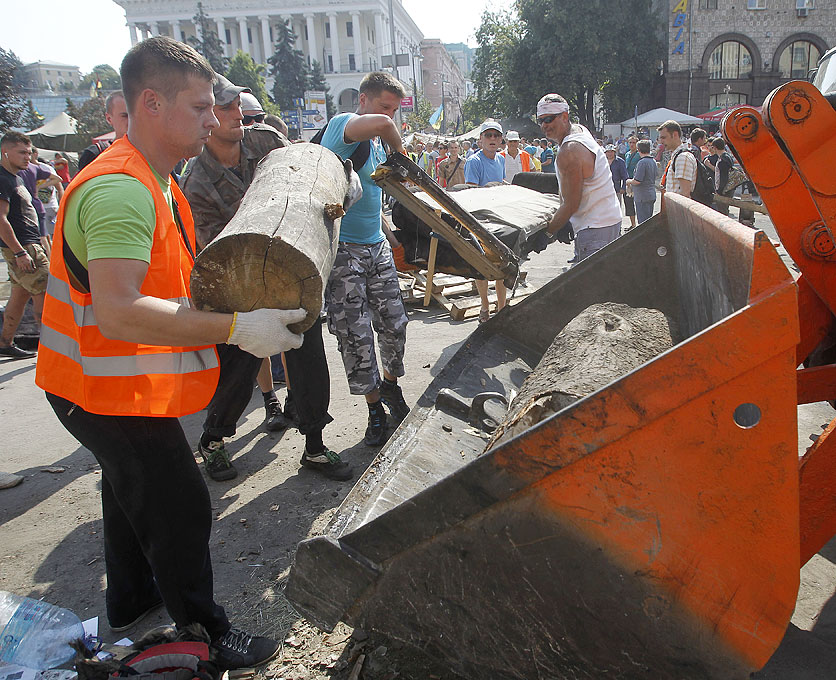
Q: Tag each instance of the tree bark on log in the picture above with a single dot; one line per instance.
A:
(278, 249)
(603, 343)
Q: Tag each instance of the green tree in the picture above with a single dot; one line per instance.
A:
(558, 53)
(30, 119)
(90, 118)
(419, 119)
(244, 72)
(472, 113)
(11, 100)
(108, 77)
(288, 68)
(317, 82)
(207, 41)
(499, 36)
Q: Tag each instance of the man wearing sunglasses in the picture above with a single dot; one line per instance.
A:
(251, 109)
(585, 180)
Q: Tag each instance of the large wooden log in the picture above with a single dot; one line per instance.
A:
(603, 343)
(278, 249)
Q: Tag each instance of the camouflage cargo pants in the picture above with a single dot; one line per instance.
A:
(363, 297)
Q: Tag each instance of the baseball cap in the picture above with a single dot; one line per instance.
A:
(512, 136)
(225, 91)
(611, 147)
(250, 104)
(490, 125)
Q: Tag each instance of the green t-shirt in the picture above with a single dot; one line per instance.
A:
(112, 216)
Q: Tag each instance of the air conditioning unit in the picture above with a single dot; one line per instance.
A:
(802, 11)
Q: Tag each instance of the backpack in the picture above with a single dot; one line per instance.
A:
(703, 191)
(358, 158)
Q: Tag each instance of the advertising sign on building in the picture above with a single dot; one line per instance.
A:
(408, 104)
(315, 113)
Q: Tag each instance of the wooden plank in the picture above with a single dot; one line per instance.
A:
(743, 205)
(430, 271)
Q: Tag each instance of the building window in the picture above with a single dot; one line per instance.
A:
(805, 4)
(708, 4)
(729, 61)
(756, 4)
(306, 32)
(352, 65)
(228, 36)
(250, 36)
(272, 39)
(798, 58)
(327, 29)
(723, 100)
(349, 29)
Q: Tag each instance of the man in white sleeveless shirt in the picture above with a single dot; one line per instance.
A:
(583, 173)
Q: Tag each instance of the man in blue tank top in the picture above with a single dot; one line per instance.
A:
(363, 294)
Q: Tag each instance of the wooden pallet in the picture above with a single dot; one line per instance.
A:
(456, 294)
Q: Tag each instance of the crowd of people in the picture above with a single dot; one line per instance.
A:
(123, 353)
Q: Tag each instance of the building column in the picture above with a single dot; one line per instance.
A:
(144, 31)
(313, 51)
(220, 27)
(265, 37)
(155, 28)
(242, 31)
(358, 45)
(132, 33)
(175, 30)
(378, 38)
(335, 41)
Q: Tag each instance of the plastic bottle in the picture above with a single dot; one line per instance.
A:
(35, 633)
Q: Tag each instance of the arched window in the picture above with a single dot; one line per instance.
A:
(729, 61)
(798, 58)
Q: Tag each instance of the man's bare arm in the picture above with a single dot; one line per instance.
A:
(387, 231)
(371, 125)
(123, 313)
(7, 235)
(570, 163)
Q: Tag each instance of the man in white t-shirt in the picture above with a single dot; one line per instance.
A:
(585, 181)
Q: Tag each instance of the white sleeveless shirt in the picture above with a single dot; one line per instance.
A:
(599, 203)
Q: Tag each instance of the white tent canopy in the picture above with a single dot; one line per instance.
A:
(62, 124)
(653, 119)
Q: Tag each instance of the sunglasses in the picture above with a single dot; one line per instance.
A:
(249, 120)
(545, 120)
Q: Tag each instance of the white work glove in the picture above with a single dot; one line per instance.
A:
(263, 332)
(354, 192)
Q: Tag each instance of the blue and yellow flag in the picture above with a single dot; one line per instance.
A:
(437, 117)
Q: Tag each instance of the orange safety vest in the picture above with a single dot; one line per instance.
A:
(526, 159)
(112, 377)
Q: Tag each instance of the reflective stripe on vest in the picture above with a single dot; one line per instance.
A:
(129, 366)
(83, 314)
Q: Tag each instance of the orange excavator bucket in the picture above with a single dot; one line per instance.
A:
(650, 529)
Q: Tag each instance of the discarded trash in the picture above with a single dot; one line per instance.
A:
(35, 633)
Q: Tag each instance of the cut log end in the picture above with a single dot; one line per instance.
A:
(602, 344)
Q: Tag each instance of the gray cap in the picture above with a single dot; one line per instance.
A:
(225, 91)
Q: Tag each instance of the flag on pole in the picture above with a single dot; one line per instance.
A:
(437, 117)
(96, 87)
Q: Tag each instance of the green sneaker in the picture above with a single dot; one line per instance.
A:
(328, 463)
(216, 457)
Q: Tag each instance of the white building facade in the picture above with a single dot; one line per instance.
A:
(348, 39)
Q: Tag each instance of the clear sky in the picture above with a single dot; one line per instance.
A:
(91, 32)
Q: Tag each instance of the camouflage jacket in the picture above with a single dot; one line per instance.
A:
(215, 192)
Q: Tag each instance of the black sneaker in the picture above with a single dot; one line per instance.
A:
(392, 396)
(276, 420)
(376, 431)
(238, 649)
(290, 411)
(328, 463)
(218, 465)
(15, 352)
